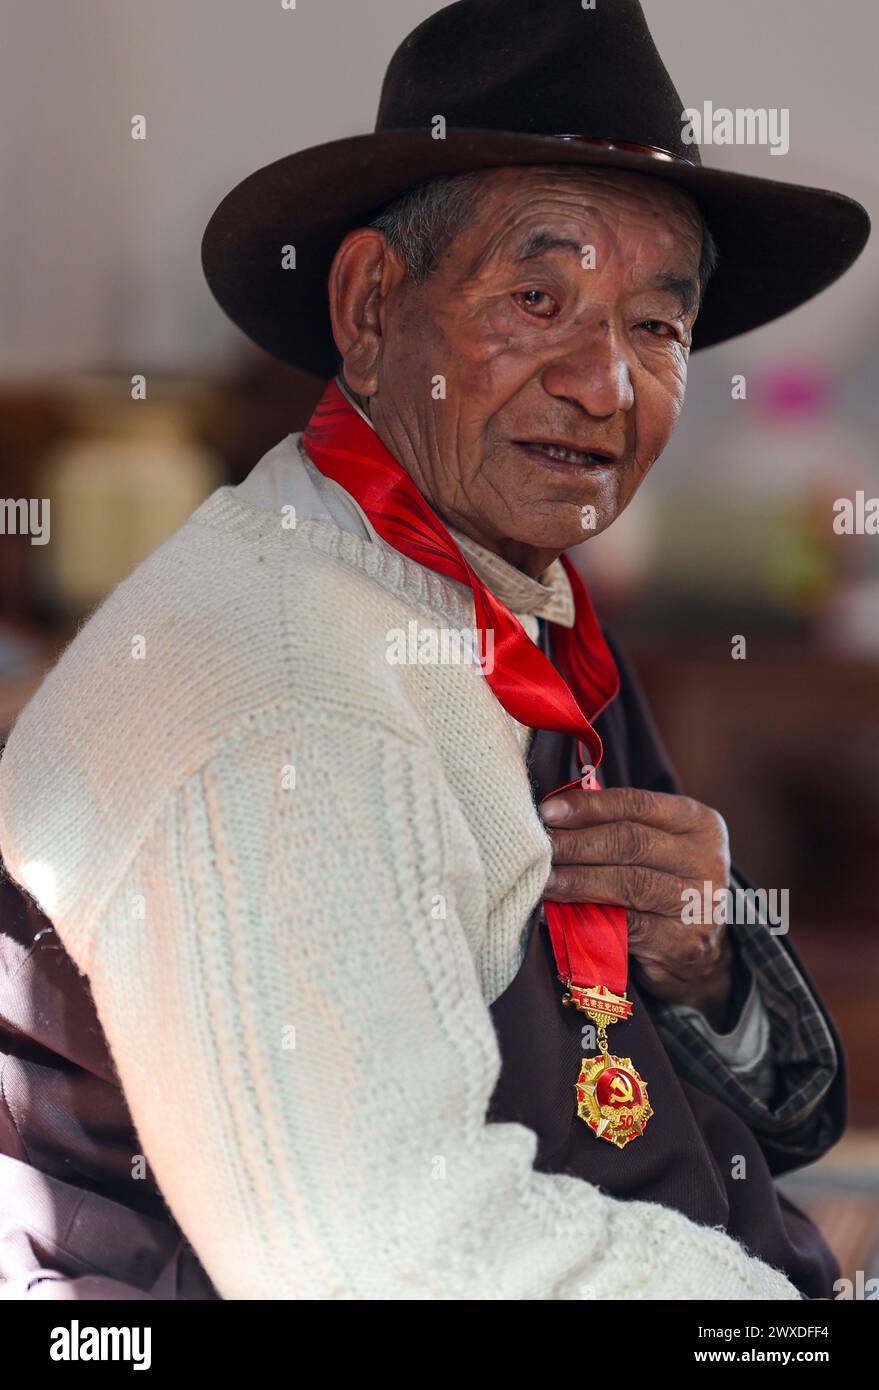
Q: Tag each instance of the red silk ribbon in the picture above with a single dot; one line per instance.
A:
(590, 940)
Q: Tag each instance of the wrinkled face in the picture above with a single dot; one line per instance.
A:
(560, 324)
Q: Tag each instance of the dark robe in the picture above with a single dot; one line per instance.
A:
(693, 1143)
(69, 1204)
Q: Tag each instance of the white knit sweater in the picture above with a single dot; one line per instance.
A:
(297, 875)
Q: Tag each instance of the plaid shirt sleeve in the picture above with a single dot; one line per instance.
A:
(746, 1047)
(780, 1087)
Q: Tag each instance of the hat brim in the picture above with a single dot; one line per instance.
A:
(779, 244)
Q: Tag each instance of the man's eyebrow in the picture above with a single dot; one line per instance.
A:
(686, 287)
(535, 243)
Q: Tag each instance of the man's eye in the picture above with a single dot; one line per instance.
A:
(658, 328)
(537, 302)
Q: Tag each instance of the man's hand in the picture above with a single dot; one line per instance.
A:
(642, 850)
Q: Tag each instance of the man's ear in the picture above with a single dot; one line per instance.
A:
(363, 272)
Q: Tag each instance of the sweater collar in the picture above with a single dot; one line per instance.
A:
(547, 596)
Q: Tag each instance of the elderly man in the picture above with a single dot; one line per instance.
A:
(286, 798)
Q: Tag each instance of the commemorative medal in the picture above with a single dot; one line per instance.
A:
(611, 1094)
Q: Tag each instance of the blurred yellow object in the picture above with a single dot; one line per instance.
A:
(128, 476)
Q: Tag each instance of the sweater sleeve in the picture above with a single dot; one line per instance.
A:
(286, 976)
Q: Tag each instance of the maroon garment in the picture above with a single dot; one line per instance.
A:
(685, 1157)
(75, 1223)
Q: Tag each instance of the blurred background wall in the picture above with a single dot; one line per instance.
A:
(731, 536)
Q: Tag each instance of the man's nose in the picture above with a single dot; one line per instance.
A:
(594, 371)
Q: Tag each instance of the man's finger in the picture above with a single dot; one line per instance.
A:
(670, 953)
(633, 843)
(646, 890)
(682, 966)
(577, 808)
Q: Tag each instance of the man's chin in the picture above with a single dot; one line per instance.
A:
(557, 533)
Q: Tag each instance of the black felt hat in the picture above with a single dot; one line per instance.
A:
(516, 82)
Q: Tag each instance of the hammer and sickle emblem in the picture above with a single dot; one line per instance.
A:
(621, 1090)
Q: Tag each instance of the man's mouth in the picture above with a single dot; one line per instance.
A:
(563, 453)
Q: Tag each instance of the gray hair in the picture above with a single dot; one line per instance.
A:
(424, 221)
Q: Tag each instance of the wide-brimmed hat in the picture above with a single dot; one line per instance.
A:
(515, 82)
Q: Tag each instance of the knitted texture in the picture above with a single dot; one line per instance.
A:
(297, 875)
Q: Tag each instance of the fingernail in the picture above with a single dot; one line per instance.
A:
(554, 810)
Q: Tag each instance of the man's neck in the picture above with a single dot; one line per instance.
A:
(360, 403)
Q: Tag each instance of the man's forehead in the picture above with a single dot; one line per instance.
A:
(521, 216)
(517, 201)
